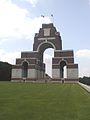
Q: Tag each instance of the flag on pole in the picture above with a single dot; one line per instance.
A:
(51, 15)
(42, 16)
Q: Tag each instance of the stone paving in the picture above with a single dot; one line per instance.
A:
(86, 87)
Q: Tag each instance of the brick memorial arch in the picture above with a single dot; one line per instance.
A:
(30, 66)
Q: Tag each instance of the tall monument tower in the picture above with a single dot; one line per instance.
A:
(31, 67)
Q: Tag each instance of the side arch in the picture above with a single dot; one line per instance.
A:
(25, 69)
(62, 64)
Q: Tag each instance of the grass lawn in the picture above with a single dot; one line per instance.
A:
(25, 101)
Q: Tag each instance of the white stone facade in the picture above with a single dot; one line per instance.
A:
(31, 73)
(72, 73)
(55, 73)
(16, 73)
(46, 31)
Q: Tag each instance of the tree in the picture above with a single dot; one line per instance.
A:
(5, 71)
(85, 80)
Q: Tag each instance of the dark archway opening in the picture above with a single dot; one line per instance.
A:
(25, 69)
(63, 69)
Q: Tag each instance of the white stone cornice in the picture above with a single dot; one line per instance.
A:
(47, 38)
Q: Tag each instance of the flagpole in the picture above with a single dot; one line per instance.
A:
(52, 18)
(43, 16)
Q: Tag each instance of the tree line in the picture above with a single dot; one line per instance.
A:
(5, 71)
(85, 80)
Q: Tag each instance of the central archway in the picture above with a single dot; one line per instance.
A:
(47, 59)
(41, 49)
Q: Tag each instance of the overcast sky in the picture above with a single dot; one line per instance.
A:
(21, 19)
